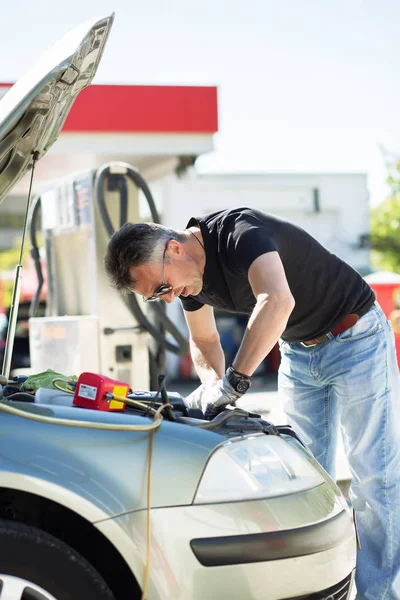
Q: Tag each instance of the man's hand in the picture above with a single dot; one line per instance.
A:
(212, 397)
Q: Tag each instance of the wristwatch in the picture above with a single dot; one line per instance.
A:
(238, 381)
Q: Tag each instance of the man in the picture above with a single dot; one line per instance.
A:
(338, 360)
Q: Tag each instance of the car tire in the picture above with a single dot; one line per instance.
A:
(34, 556)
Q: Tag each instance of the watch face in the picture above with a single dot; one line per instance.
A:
(242, 386)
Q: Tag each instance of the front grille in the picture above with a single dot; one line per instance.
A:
(340, 591)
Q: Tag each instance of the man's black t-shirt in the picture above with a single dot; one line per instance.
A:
(325, 288)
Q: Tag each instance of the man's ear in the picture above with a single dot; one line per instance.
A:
(175, 248)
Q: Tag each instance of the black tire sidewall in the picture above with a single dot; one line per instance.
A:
(38, 557)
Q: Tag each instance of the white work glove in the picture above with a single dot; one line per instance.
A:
(212, 396)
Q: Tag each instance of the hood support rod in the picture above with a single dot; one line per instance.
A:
(12, 323)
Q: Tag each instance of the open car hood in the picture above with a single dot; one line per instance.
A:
(33, 111)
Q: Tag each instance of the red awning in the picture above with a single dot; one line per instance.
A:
(143, 108)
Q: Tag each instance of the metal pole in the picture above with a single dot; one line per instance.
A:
(12, 323)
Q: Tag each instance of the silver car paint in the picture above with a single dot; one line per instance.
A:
(98, 473)
(177, 575)
(34, 110)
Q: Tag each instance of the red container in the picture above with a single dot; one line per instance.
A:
(386, 286)
(91, 390)
(395, 321)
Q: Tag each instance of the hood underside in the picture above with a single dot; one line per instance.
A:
(34, 110)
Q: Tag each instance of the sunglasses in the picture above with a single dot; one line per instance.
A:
(164, 288)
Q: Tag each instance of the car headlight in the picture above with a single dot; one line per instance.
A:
(259, 466)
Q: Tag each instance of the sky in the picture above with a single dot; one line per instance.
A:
(303, 85)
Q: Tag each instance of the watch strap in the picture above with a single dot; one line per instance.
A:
(236, 372)
(239, 381)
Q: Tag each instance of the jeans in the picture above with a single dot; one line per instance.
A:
(351, 384)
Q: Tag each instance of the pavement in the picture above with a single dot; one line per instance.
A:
(263, 398)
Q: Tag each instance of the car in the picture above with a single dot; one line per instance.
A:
(150, 500)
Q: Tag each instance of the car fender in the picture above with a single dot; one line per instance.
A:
(104, 468)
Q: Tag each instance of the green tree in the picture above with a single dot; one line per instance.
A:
(385, 227)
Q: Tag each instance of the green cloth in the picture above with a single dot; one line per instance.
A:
(45, 380)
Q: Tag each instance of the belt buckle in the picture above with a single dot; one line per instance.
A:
(309, 345)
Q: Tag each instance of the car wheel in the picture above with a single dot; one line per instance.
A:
(34, 565)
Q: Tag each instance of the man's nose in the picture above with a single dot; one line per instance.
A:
(170, 297)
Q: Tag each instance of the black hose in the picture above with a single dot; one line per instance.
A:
(137, 179)
(164, 397)
(123, 199)
(20, 397)
(181, 347)
(217, 421)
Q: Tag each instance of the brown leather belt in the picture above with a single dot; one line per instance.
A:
(347, 322)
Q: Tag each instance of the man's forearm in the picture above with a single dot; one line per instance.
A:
(266, 324)
(208, 359)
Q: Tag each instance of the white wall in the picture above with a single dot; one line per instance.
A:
(343, 201)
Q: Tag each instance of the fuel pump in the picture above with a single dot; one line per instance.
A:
(88, 325)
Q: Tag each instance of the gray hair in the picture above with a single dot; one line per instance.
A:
(133, 245)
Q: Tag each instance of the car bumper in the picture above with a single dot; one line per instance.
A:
(219, 551)
(273, 564)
